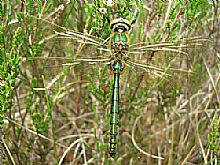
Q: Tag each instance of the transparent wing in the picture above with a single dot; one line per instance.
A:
(177, 46)
(64, 48)
(50, 71)
(63, 41)
(166, 57)
(59, 56)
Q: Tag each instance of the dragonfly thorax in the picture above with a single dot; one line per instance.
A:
(119, 48)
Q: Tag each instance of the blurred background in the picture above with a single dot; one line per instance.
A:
(56, 110)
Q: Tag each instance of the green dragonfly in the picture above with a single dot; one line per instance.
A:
(118, 53)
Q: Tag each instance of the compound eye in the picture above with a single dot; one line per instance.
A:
(117, 38)
(124, 39)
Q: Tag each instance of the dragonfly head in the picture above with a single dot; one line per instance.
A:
(120, 25)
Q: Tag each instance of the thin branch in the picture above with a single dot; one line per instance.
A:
(35, 133)
(8, 151)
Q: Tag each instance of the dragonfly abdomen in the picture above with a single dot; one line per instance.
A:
(114, 115)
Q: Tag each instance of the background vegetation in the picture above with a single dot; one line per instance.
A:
(60, 115)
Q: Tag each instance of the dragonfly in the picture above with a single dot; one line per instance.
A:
(118, 55)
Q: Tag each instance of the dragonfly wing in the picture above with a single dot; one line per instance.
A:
(60, 53)
(190, 40)
(48, 71)
(153, 67)
(49, 31)
(148, 68)
(178, 46)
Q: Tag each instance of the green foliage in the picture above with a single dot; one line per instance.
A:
(9, 67)
(97, 89)
(214, 138)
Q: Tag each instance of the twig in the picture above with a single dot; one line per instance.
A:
(187, 156)
(8, 151)
(201, 145)
(135, 144)
(212, 81)
(73, 136)
(69, 148)
(167, 14)
(35, 133)
(43, 9)
(178, 15)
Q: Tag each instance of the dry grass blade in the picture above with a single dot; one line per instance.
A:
(70, 147)
(8, 151)
(212, 81)
(135, 144)
(35, 133)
